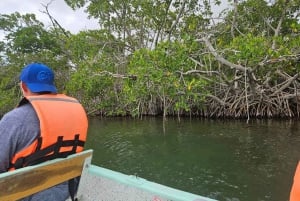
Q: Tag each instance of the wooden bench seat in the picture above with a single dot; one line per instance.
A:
(26, 181)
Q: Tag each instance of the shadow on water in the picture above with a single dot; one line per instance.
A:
(226, 160)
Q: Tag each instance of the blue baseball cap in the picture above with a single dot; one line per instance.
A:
(38, 78)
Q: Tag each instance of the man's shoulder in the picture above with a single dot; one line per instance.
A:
(21, 112)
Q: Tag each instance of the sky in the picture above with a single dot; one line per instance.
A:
(73, 21)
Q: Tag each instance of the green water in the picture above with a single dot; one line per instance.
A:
(224, 160)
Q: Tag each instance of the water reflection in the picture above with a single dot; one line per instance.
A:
(225, 160)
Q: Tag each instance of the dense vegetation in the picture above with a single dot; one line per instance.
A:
(172, 57)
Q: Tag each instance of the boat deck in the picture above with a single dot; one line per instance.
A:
(96, 183)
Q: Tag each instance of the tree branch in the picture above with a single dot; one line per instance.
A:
(233, 25)
(116, 75)
(52, 19)
(221, 59)
(177, 19)
(288, 83)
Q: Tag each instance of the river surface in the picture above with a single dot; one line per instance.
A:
(228, 160)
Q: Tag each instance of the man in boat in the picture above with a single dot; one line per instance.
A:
(45, 125)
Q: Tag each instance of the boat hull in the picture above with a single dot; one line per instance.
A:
(98, 183)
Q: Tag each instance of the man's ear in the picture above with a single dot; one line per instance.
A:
(24, 87)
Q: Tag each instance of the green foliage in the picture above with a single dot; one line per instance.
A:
(91, 45)
(25, 34)
(30, 39)
(248, 50)
(26, 39)
(9, 89)
(93, 54)
(143, 24)
(75, 3)
(148, 57)
(160, 81)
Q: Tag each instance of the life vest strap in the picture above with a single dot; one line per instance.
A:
(50, 152)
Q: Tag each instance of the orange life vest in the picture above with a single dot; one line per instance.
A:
(295, 191)
(63, 130)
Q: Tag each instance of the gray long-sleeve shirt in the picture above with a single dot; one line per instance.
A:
(18, 129)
